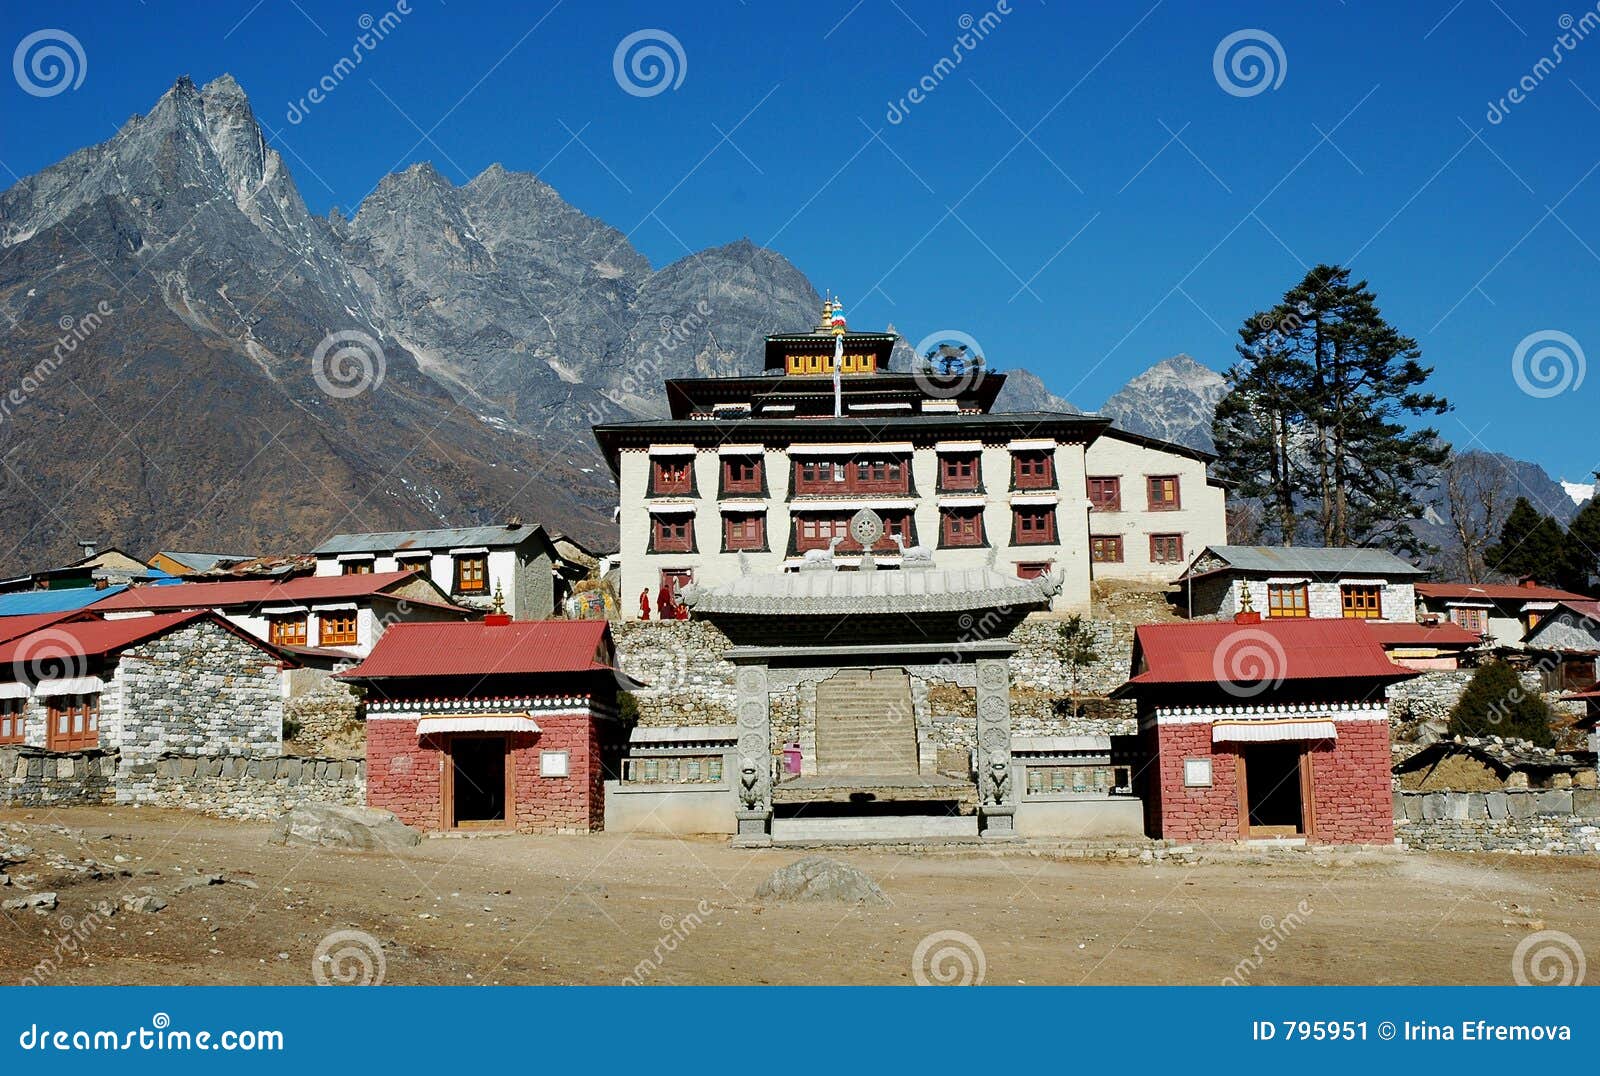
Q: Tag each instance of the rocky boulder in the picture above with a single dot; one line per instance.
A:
(818, 878)
(330, 825)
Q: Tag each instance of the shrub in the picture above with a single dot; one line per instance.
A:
(291, 727)
(1496, 703)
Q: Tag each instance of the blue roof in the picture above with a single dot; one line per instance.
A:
(53, 601)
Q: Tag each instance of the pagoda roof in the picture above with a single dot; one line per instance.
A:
(684, 392)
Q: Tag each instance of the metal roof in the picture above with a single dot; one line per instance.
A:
(1312, 560)
(1496, 592)
(477, 648)
(200, 562)
(96, 637)
(234, 592)
(904, 591)
(1405, 633)
(1267, 651)
(28, 602)
(438, 540)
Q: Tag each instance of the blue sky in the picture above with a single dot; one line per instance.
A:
(1081, 194)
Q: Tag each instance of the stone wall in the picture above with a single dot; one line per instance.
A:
(236, 786)
(34, 777)
(1419, 709)
(327, 720)
(682, 661)
(1548, 822)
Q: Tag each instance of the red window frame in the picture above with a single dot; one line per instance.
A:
(1033, 569)
(958, 471)
(1471, 618)
(815, 531)
(961, 526)
(1163, 492)
(1033, 469)
(73, 722)
(13, 720)
(671, 474)
(1105, 493)
(1105, 548)
(741, 474)
(672, 533)
(744, 530)
(1034, 524)
(1166, 549)
(877, 474)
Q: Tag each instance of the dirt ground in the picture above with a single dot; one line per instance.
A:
(605, 909)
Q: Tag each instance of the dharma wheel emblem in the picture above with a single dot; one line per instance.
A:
(866, 527)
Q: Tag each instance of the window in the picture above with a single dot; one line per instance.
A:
(413, 564)
(1362, 601)
(73, 722)
(675, 475)
(1468, 618)
(958, 471)
(816, 531)
(472, 573)
(337, 628)
(1033, 470)
(672, 533)
(1166, 549)
(1163, 489)
(1033, 569)
(286, 630)
(13, 721)
(1105, 494)
(1286, 600)
(746, 530)
(961, 526)
(356, 567)
(1105, 548)
(1035, 524)
(741, 474)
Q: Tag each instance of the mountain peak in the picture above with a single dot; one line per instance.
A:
(1175, 400)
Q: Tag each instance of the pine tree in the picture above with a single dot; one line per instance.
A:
(1532, 546)
(1316, 419)
(1495, 703)
(1583, 549)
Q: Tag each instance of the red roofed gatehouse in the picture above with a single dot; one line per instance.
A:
(1265, 729)
(493, 724)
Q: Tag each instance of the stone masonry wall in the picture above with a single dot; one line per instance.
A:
(1419, 709)
(234, 786)
(34, 777)
(1534, 822)
(327, 717)
(682, 661)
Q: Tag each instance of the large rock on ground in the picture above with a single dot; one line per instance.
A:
(818, 878)
(330, 825)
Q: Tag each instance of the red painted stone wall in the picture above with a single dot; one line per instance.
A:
(1350, 787)
(404, 775)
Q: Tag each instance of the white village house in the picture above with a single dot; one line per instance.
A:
(1300, 582)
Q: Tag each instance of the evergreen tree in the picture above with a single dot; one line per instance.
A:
(1583, 549)
(1496, 703)
(1531, 545)
(1315, 422)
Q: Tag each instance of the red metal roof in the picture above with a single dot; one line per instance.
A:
(473, 648)
(1213, 651)
(1496, 592)
(94, 637)
(236, 592)
(14, 627)
(1408, 634)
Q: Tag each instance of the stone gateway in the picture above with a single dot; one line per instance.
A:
(865, 724)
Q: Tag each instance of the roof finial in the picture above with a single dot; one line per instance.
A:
(499, 600)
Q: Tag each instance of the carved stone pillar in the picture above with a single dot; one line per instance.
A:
(997, 794)
(753, 782)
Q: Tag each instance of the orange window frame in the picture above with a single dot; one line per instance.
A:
(1288, 601)
(287, 631)
(1361, 601)
(472, 573)
(336, 629)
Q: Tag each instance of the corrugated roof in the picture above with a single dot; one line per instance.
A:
(14, 627)
(474, 648)
(1408, 634)
(1211, 652)
(200, 562)
(96, 637)
(30, 602)
(438, 540)
(235, 592)
(1496, 592)
(1313, 560)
